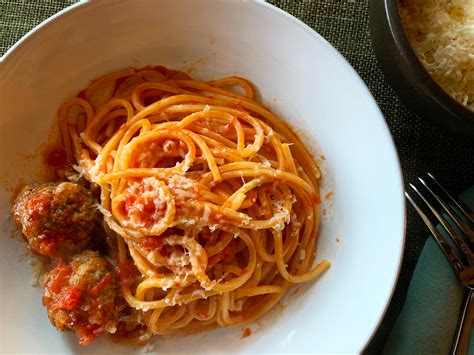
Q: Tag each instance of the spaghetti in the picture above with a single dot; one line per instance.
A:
(202, 189)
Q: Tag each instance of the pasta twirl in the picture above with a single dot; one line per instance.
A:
(205, 191)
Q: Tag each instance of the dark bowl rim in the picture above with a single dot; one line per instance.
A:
(401, 40)
(412, 77)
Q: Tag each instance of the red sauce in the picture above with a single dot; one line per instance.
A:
(103, 283)
(128, 273)
(88, 332)
(38, 205)
(329, 195)
(60, 276)
(48, 245)
(82, 94)
(56, 158)
(165, 251)
(68, 298)
(143, 207)
(316, 199)
(244, 271)
(246, 332)
(153, 243)
(225, 255)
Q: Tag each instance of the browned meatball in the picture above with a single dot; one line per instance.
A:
(56, 218)
(83, 295)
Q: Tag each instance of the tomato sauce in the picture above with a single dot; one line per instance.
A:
(128, 273)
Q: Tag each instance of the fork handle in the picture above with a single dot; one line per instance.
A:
(463, 331)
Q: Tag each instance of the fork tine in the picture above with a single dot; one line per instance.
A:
(454, 234)
(468, 215)
(444, 245)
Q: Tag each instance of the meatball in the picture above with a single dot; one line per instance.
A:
(84, 296)
(56, 218)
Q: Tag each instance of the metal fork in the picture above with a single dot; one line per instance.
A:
(459, 225)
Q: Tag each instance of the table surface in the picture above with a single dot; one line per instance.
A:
(345, 24)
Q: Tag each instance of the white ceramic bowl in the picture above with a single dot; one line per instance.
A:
(300, 77)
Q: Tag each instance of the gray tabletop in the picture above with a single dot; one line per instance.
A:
(421, 146)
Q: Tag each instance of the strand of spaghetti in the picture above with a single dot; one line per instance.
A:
(258, 237)
(280, 155)
(208, 314)
(235, 80)
(260, 308)
(132, 173)
(245, 171)
(151, 86)
(258, 290)
(105, 79)
(178, 313)
(63, 121)
(117, 142)
(194, 326)
(199, 268)
(238, 197)
(291, 242)
(124, 90)
(279, 125)
(153, 318)
(211, 161)
(257, 273)
(217, 113)
(142, 126)
(98, 122)
(161, 105)
(213, 88)
(289, 162)
(215, 139)
(163, 303)
(142, 264)
(315, 272)
(299, 150)
(112, 122)
(154, 135)
(227, 154)
(220, 245)
(183, 322)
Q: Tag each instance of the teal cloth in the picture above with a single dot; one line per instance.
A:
(429, 317)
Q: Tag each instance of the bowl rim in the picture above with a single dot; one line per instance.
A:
(371, 331)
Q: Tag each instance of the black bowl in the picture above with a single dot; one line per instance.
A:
(405, 73)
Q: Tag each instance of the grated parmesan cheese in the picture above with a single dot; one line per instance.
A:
(80, 173)
(213, 227)
(200, 293)
(111, 327)
(105, 212)
(302, 254)
(148, 348)
(441, 33)
(207, 213)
